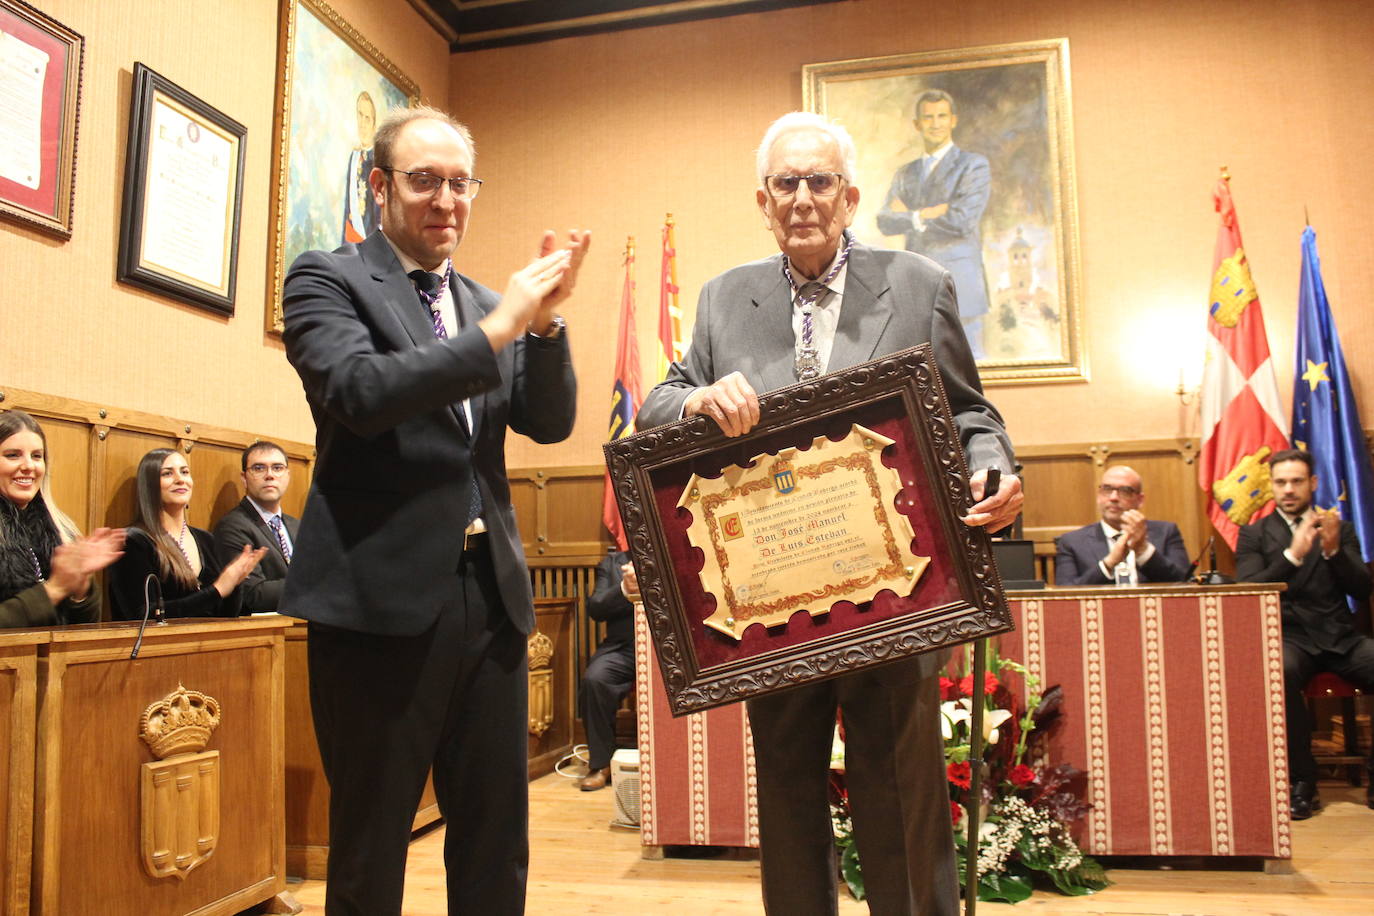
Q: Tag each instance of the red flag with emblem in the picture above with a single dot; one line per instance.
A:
(670, 344)
(625, 398)
(1243, 422)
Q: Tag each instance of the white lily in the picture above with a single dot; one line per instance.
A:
(955, 713)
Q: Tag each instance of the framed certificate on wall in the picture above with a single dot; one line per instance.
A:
(183, 190)
(40, 101)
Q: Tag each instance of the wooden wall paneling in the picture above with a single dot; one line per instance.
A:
(18, 714)
(124, 449)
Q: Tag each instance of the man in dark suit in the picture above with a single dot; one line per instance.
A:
(611, 671)
(759, 327)
(1124, 547)
(1318, 557)
(258, 521)
(409, 566)
(937, 201)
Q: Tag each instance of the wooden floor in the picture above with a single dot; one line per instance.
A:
(580, 864)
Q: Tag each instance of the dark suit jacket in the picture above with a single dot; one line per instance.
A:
(243, 525)
(129, 572)
(1079, 552)
(892, 300)
(609, 605)
(1315, 614)
(382, 531)
(962, 180)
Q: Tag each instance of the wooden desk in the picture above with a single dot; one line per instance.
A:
(1173, 706)
(90, 810)
(18, 705)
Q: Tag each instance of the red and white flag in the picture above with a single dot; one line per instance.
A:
(1243, 422)
(670, 343)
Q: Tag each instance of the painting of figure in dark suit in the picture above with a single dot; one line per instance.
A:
(965, 156)
(334, 88)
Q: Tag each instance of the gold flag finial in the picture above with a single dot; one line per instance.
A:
(629, 247)
(1225, 174)
(668, 220)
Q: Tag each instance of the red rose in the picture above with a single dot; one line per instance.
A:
(1021, 776)
(990, 684)
(959, 774)
(948, 689)
(956, 814)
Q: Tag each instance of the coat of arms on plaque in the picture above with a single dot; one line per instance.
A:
(179, 792)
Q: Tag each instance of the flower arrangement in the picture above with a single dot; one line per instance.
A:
(1025, 809)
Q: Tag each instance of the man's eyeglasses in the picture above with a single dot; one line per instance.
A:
(258, 470)
(821, 184)
(1107, 489)
(427, 184)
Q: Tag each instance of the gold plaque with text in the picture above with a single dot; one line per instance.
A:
(801, 529)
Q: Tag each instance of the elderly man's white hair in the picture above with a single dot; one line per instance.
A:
(806, 120)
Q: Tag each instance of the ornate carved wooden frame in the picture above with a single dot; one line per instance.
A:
(906, 390)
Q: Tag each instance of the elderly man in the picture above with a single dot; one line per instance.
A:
(1318, 557)
(1123, 547)
(258, 521)
(937, 201)
(409, 565)
(759, 327)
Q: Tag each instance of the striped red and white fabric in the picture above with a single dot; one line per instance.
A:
(1173, 706)
(696, 773)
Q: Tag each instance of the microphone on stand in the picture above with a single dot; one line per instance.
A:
(1192, 567)
(1212, 577)
(148, 608)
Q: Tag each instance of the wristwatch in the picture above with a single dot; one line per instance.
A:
(555, 329)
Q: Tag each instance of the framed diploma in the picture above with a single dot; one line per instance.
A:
(40, 100)
(183, 190)
(826, 540)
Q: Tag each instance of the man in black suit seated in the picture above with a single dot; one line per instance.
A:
(259, 521)
(1318, 557)
(1123, 547)
(611, 671)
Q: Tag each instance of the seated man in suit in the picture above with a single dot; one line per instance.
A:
(1123, 546)
(611, 671)
(259, 521)
(1318, 557)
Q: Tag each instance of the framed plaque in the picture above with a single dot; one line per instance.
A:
(826, 540)
(183, 194)
(40, 85)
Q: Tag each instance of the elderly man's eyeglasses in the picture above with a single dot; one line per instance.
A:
(1125, 492)
(821, 184)
(258, 470)
(427, 183)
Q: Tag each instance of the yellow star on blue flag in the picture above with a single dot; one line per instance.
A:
(1315, 374)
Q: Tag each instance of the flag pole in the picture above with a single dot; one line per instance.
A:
(975, 791)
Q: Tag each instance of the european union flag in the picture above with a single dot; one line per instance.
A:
(1326, 421)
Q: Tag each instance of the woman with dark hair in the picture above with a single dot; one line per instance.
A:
(45, 563)
(193, 581)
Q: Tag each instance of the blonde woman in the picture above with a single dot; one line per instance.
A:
(45, 564)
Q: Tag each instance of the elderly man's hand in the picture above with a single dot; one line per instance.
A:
(731, 402)
(997, 510)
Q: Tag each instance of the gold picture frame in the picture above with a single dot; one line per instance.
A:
(328, 75)
(43, 85)
(1011, 213)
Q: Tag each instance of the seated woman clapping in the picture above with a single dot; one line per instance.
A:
(45, 564)
(182, 559)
